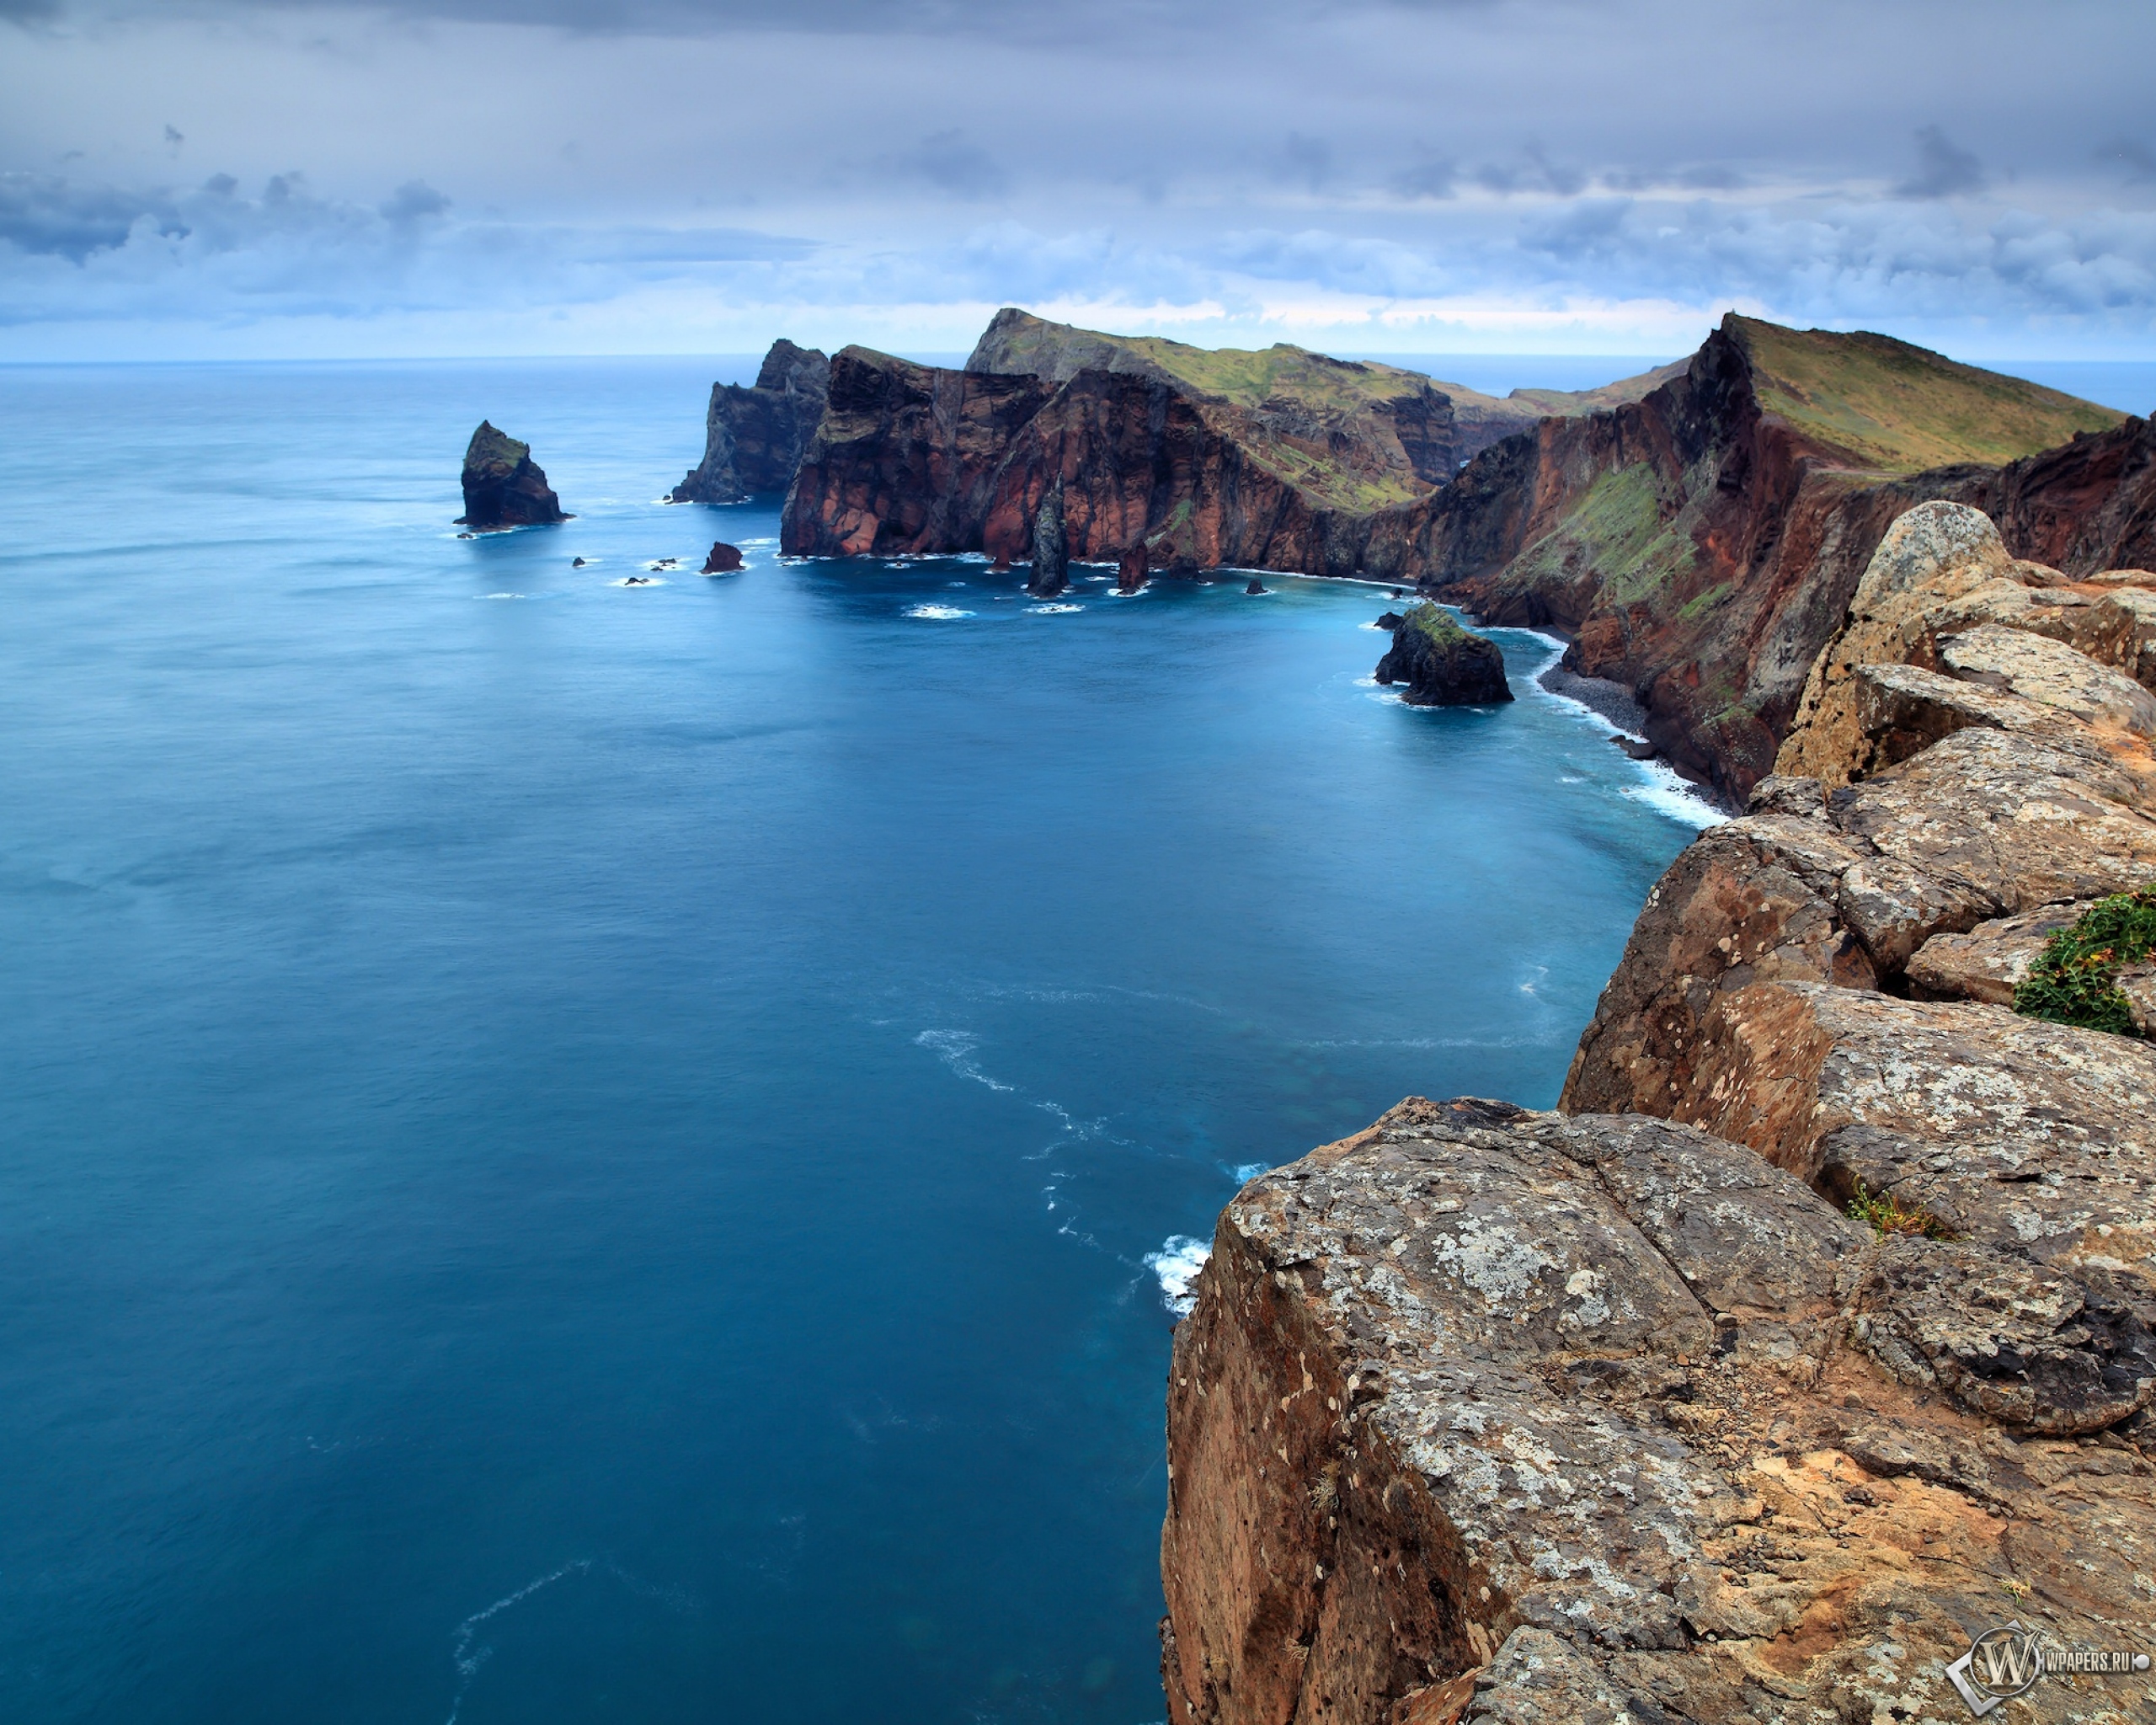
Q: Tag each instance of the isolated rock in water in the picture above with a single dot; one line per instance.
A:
(1441, 663)
(1256, 586)
(724, 560)
(1051, 553)
(576, 563)
(754, 438)
(502, 486)
(1390, 620)
(1130, 570)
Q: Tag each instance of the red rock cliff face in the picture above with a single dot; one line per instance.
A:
(913, 458)
(1700, 550)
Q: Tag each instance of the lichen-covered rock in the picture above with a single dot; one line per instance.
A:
(502, 486)
(1494, 1415)
(1442, 663)
(1990, 961)
(1983, 824)
(2048, 671)
(2029, 1136)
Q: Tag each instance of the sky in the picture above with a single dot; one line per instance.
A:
(210, 178)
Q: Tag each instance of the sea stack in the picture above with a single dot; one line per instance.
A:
(502, 486)
(1441, 663)
(754, 437)
(1130, 572)
(724, 560)
(1051, 572)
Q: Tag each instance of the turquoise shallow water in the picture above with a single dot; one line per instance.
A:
(594, 1154)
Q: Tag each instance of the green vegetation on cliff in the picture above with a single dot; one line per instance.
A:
(2075, 979)
(1897, 408)
(1441, 626)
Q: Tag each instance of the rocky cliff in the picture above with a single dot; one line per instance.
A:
(1280, 460)
(754, 437)
(1812, 1337)
(1702, 543)
(502, 486)
(914, 458)
(1698, 531)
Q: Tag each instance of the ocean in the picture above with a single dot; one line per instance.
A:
(581, 1153)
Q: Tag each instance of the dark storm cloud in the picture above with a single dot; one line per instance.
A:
(1337, 158)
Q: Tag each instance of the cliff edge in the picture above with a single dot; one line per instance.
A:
(1815, 1336)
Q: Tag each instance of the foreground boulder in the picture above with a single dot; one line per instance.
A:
(502, 486)
(754, 437)
(1487, 1415)
(1442, 663)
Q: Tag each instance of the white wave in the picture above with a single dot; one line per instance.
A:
(939, 613)
(1668, 792)
(955, 584)
(1569, 778)
(955, 1049)
(1373, 627)
(1051, 610)
(1368, 683)
(505, 596)
(1245, 1173)
(1177, 1265)
(1389, 697)
(639, 581)
(468, 1658)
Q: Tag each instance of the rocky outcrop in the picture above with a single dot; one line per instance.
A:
(724, 560)
(502, 486)
(754, 438)
(1814, 1336)
(1703, 544)
(1700, 532)
(1051, 567)
(1486, 1415)
(1442, 663)
(1130, 570)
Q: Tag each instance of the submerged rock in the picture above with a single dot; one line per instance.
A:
(1051, 552)
(724, 560)
(1441, 663)
(502, 486)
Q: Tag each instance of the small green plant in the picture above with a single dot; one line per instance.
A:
(2075, 977)
(1886, 1214)
(1440, 626)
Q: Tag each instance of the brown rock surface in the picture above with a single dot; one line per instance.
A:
(1988, 963)
(1494, 1416)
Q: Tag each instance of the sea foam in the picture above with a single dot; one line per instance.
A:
(1177, 1265)
(937, 613)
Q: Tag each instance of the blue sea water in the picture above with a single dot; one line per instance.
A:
(576, 1152)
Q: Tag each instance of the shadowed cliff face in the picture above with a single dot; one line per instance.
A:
(754, 437)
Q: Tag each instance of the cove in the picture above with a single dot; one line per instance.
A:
(588, 1152)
